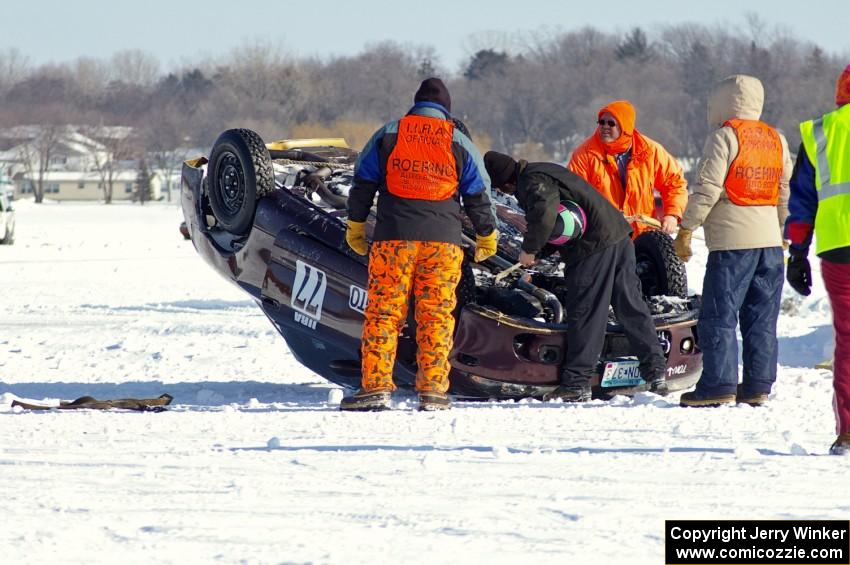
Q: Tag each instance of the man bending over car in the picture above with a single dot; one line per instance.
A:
(599, 269)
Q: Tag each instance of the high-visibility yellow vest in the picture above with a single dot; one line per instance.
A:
(826, 141)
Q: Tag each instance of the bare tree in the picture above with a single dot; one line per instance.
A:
(36, 154)
(90, 75)
(108, 149)
(134, 66)
(163, 137)
(13, 68)
(514, 90)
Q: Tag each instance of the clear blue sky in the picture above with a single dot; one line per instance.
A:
(179, 32)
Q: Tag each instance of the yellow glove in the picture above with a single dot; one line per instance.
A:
(485, 245)
(355, 236)
(682, 245)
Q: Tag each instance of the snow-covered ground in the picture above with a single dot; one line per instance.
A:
(254, 463)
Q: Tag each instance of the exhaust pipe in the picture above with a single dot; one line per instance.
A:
(553, 306)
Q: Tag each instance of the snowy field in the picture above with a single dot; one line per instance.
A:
(254, 463)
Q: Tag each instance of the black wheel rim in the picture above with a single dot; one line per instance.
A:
(231, 182)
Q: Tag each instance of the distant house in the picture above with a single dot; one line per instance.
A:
(71, 185)
(70, 151)
(68, 160)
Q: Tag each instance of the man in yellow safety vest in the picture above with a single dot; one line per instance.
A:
(820, 205)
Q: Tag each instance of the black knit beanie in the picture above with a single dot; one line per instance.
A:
(500, 167)
(433, 90)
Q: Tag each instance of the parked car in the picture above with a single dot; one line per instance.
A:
(271, 219)
(7, 220)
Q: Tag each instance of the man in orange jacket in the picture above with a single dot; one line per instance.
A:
(625, 166)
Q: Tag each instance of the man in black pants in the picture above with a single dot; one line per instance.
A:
(599, 270)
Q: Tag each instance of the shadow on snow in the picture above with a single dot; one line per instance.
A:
(208, 393)
(511, 450)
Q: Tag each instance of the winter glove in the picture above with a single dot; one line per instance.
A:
(355, 236)
(669, 224)
(682, 244)
(799, 273)
(485, 245)
(527, 259)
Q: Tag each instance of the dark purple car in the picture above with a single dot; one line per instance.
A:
(271, 218)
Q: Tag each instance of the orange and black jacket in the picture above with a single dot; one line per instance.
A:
(413, 219)
(541, 187)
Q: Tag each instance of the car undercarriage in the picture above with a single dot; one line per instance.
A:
(271, 218)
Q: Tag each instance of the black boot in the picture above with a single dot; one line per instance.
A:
(756, 399)
(841, 445)
(569, 393)
(366, 401)
(656, 382)
(432, 401)
(691, 399)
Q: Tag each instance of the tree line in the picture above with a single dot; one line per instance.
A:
(537, 98)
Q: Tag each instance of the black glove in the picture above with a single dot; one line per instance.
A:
(799, 274)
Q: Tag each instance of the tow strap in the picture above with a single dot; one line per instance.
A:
(89, 403)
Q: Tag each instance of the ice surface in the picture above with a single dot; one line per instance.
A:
(253, 462)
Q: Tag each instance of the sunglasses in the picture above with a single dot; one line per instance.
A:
(609, 123)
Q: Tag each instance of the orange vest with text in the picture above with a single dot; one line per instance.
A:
(753, 177)
(422, 166)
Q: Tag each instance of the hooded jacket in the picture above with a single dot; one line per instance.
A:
(728, 226)
(650, 167)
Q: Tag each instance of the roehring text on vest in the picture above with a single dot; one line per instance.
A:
(415, 167)
(761, 174)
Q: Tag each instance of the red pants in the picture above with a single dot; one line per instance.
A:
(432, 271)
(836, 277)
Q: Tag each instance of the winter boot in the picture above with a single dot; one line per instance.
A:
(433, 401)
(366, 401)
(691, 399)
(841, 445)
(570, 393)
(656, 382)
(757, 399)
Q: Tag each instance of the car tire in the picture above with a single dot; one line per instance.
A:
(239, 172)
(659, 269)
(466, 291)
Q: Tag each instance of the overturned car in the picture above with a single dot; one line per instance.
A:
(271, 218)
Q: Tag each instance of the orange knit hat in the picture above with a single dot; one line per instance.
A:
(625, 114)
(842, 88)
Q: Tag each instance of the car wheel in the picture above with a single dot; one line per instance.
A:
(659, 269)
(239, 172)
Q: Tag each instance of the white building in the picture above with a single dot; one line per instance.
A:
(71, 185)
(74, 163)
(69, 150)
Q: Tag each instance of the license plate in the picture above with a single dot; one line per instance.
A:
(621, 373)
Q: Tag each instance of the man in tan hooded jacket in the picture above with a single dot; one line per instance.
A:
(741, 200)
